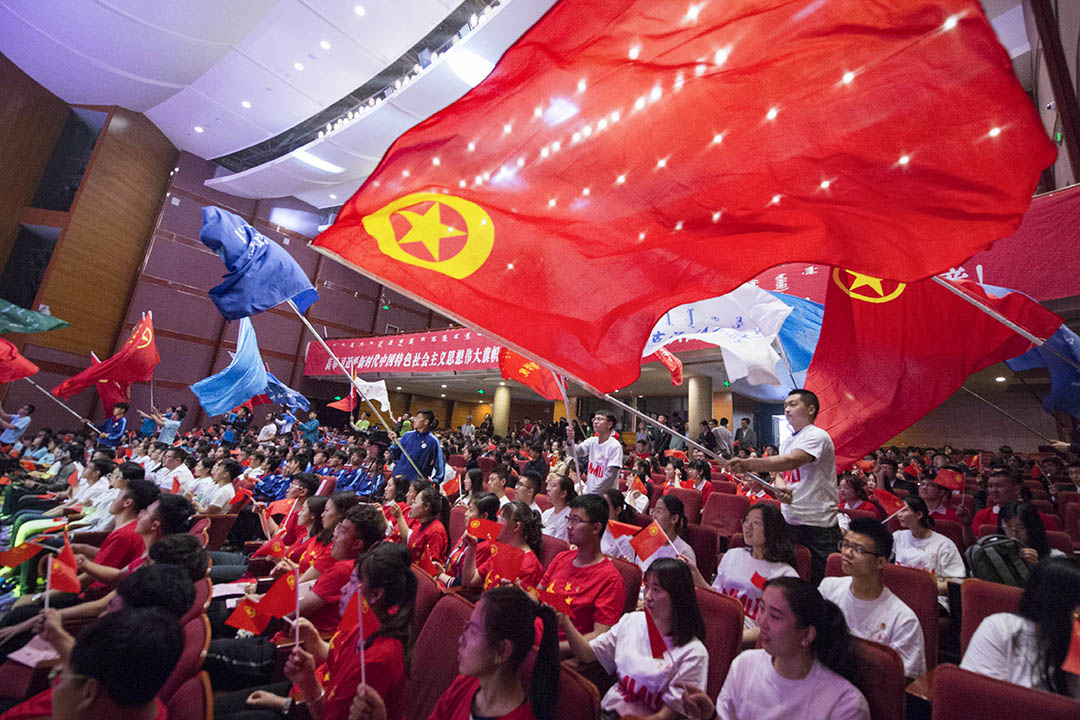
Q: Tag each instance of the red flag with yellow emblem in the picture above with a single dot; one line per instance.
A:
(513, 366)
(134, 362)
(649, 540)
(891, 352)
(506, 564)
(248, 616)
(584, 187)
(483, 529)
(280, 599)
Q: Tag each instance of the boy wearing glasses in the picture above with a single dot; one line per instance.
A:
(872, 611)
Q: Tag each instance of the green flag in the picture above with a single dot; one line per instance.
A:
(14, 319)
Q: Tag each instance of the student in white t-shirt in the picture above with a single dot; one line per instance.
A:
(496, 484)
(1029, 648)
(651, 676)
(560, 491)
(807, 489)
(527, 488)
(872, 611)
(225, 471)
(804, 669)
(603, 451)
(918, 546)
(618, 511)
(743, 571)
(670, 514)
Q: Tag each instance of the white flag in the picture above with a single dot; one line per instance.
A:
(374, 391)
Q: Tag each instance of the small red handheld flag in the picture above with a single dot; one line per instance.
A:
(241, 494)
(351, 617)
(506, 563)
(656, 638)
(247, 616)
(451, 486)
(484, 529)
(427, 564)
(949, 479)
(19, 554)
(1072, 658)
(280, 599)
(648, 541)
(865, 465)
(913, 470)
(681, 454)
(619, 529)
(758, 580)
(889, 502)
(639, 486)
(558, 600)
(73, 478)
(176, 486)
(65, 570)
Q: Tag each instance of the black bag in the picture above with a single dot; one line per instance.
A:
(996, 558)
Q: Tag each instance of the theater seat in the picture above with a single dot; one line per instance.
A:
(487, 464)
(963, 695)
(703, 540)
(193, 700)
(802, 561)
(550, 547)
(980, 598)
(218, 530)
(457, 524)
(578, 698)
(196, 643)
(631, 577)
(724, 512)
(724, 486)
(952, 530)
(542, 502)
(1060, 541)
(691, 500)
(881, 679)
(723, 634)
(456, 460)
(427, 594)
(436, 653)
(203, 595)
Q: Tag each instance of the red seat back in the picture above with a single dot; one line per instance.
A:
(1067, 497)
(1044, 506)
(1072, 521)
(196, 643)
(203, 593)
(219, 528)
(427, 594)
(860, 513)
(486, 464)
(725, 487)
(457, 523)
(980, 598)
(631, 577)
(802, 561)
(542, 502)
(963, 695)
(918, 590)
(691, 499)
(724, 512)
(832, 566)
(434, 656)
(1061, 541)
(703, 540)
(952, 530)
(578, 698)
(193, 700)
(457, 460)
(510, 493)
(723, 634)
(551, 546)
(199, 526)
(881, 678)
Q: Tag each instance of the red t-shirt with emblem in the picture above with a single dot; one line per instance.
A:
(596, 592)
(456, 702)
(431, 537)
(531, 569)
(122, 547)
(328, 587)
(456, 560)
(385, 668)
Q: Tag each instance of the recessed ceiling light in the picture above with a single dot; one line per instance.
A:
(502, 383)
(198, 128)
(298, 66)
(359, 10)
(333, 196)
(398, 387)
(324, 45)
(999, 379)
(245, 104)
(444, 385)
(442, 395)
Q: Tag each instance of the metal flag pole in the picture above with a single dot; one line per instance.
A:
(561, 382)
(352, 384)
(64, 405)
(1016, 420)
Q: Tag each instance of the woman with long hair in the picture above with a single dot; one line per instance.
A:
(560, 491)
(698, 477)
(918, 546)
(767, 553)
(520, 530)
(853, 495)
(1021, 521)
(670, 514)
(485, 506)
(472, 484)
(395, 492)
(1029, 647)
(498, 637)
(805, 667)
(648, 685)
(428, 532)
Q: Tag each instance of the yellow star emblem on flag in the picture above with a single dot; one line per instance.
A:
(867, 288)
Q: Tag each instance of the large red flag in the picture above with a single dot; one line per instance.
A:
(134, 362)
(513, 366)
(627, 156)
(889, 353)
(109, 391)
(13, 366)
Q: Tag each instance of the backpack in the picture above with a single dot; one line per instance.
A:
(996, 558)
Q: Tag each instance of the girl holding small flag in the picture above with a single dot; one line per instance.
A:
(743, 572)
(482, 505)
(670, 514)
(431, 515)
(653, 653)
(521, 532)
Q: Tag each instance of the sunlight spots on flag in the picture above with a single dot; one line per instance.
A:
(904, 160)
(641, 235)
(404, 173)
(639, 103)
(775, 200)
(635, 52)
(621, 179)
(581, 85)
(560, 110)
(510, 266)
(699, 69)
(544, 151)
(521, 162)
(717, 215)
(773, 112)
(994, 132)
(538, 111)
(848, 77)
(585, 192)
(721, 56)
(508, 128)
(479, 180)
(693, 12)
(951, 22)
(718, 138)
(825, 184)
(556, 145)
(551, 203)
(679, 225)
(472, 146)
(655, 94)
(679, 81)
(576, 137)
(586, 131)
(435, 161)
(462, 183)
(661, 163)
(601, 124)
(615, 115)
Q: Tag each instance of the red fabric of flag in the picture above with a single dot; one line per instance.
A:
(110, 392)
(280, 599)
(949, 479)
(351, 618)
(889, 503)
(427, 564)
(240, 495)
(513, 366)
(913, 470)
(65, 570)
(866, 466)
(347, 404)
(639, 486)
(668, 359)
(280, 507)
(585, 185)
(619, 529)
(484, 529)
(247, 616)
(656, 639)
(13, 366)
(176, 486)
(451, 486)
(648, 541)
(506, 562)
(889, 352)
(19, 554)
(1072, 658)
(558, 600)
(758, 580)
(134, 362)
(73, 479)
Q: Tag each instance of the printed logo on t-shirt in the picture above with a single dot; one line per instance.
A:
(596, 470)
(793, 476)
(631, 691)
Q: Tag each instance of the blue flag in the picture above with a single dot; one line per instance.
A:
(800, 332)
(244, 378)
(1064, 378)
(261, 273)
(283, 395)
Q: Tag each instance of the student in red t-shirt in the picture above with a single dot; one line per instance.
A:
(498, 637)
(521, 530)
(1002, 488)
(483, 505)
(395, 493)
(590, 581)
(936, 498)
(853, 495)
(429, 535)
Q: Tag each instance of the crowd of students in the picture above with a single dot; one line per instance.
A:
(351, 512)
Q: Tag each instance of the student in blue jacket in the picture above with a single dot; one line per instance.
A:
(422, 446)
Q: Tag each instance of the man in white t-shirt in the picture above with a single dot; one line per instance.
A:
(14, 425)
(468, 429)
(175, 468)
(807, 489)
(724, 438)
(872, 611)
(604, 451)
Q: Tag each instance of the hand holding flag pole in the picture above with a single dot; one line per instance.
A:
(64, 405)
(386, 426)
(561, 382)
